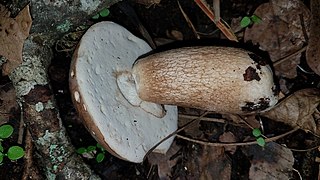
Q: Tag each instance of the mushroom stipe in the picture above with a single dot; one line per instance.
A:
(130, 105)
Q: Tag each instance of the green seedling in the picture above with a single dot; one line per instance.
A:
(97, 152)
(247, 21)
(14, 152)
(259, 138)
(103, 13)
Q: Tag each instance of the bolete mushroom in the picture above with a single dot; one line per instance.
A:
(126, 131)
(127, 103)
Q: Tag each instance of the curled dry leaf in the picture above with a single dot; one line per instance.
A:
(298, 110)
(281, 32)
(13, 32)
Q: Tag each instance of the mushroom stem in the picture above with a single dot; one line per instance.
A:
(220, 79)
(127, 87)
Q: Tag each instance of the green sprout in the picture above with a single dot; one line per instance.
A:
(103, 13)
(259, 138)
(247, 21)
(14, 152)
(93, 151)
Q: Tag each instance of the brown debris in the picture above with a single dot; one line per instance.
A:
(13, 32)
(251, 74)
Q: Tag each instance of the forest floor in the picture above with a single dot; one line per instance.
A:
(292, 154)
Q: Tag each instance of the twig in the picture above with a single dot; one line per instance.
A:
(300, 177)
(206, 143)
(21, 125)
(203, 118)
(220, 23)
(276, 63)
(188, 21)
(176, 132)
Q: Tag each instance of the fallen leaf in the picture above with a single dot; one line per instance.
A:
(228, 137)
(13, 32)
(280, 32)
(313, 49)
(208, 163)
(272, 162)
(165, 162)
(298, 110)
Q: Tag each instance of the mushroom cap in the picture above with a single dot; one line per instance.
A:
(219, 79)
(126, 131)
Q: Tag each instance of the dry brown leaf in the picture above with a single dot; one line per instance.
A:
(228, 137)
(165, 161)
(13, 32)
(313, 49)
(280, 33)
(209, 163)
(297, 110)
(272, 162)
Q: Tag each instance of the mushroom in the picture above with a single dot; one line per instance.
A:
(124, 130)
(129, 105)
(219, 79)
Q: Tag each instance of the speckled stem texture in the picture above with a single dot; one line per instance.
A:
(220, 79)
(51, 19)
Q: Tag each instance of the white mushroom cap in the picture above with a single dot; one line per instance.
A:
(126, 131)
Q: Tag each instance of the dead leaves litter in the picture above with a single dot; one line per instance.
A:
(13, 32)
(298, 109)
(282, 32)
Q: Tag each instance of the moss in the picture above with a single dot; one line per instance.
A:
(65, 27)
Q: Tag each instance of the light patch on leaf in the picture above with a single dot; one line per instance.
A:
(13, 32)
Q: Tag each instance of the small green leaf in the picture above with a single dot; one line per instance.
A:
(256, 132)
(15, 152)
(91, 148)
(255, 19)
(100, 157)
(6, 131)
(95, 17)
(245, 22)
(1, 148)
(100, 147)
(261, 142)
(104, 12)
(1, 157)
(81, 150)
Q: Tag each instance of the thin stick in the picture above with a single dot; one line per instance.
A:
(176, 132)
(276, 63)
(188, 21)
(222, 25)
(206, 143)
